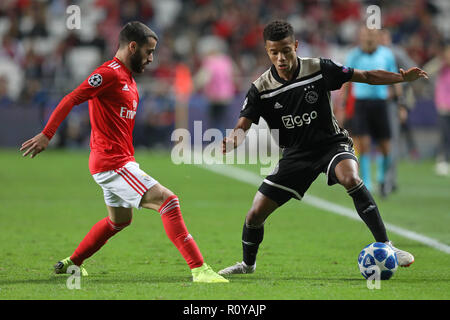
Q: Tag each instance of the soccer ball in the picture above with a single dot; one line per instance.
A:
(377, 261)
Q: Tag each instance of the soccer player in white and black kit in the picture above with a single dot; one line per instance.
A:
(293, 96)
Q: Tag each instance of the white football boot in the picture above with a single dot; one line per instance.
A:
(405, 259)
(238, 268)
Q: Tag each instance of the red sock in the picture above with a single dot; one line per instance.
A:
(95, 239)
(176, 231)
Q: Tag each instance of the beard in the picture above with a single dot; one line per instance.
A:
(136, 62)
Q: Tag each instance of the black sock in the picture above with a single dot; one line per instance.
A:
(368, 211)
(251, 238)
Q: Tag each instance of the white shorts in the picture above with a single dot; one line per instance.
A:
(124, 187)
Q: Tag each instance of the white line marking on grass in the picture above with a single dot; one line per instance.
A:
(254, 179)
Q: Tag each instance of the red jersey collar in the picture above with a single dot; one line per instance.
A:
(123, 65)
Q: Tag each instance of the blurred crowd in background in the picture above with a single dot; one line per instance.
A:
(208, 54)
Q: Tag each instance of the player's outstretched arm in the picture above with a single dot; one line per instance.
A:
(39, 142)
(35, 145)
(237, 136)
(386, 77)
(101, 79)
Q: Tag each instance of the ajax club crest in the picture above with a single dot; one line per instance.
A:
(311, 96)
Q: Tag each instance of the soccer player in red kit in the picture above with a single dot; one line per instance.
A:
(113, 100)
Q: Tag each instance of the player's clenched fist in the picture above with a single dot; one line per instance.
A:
(35, 145)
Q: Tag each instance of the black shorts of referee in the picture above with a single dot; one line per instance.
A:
(371, 118)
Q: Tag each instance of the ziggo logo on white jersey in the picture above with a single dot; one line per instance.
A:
(291, 122)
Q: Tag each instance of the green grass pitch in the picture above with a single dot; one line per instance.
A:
(49, 203)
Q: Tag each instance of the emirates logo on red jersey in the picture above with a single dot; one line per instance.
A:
(127, 113)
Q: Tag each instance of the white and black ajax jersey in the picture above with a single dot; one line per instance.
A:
(301, 108)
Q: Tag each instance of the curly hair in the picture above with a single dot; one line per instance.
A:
(278, 30)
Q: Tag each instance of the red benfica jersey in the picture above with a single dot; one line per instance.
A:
(113, 100)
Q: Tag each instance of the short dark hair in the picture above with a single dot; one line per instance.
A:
(278, 30)
(136, 31)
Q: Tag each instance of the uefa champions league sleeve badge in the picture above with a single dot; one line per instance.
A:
(95, 80)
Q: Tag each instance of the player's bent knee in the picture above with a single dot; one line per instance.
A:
(170, 206)
(261, 209)
(255, 217)
(155, 197)
(350, 181)
(118, 226)
(120, 215)
(166, 194)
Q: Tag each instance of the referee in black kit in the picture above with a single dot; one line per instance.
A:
(293, 97)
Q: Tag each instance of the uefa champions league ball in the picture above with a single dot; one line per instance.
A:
(377, 261)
